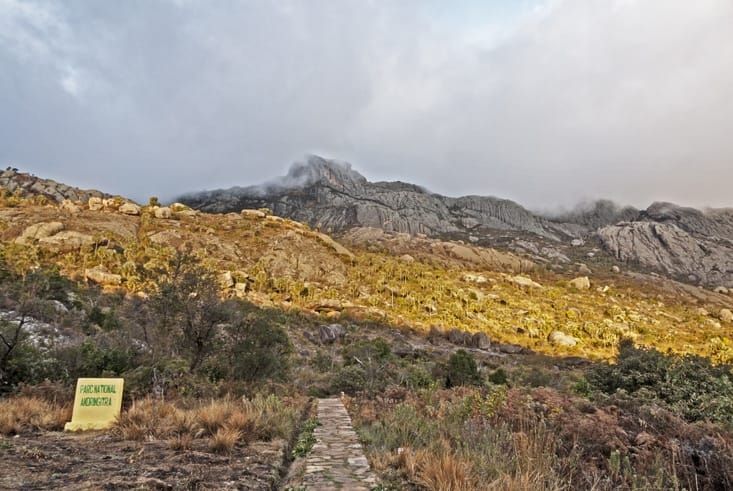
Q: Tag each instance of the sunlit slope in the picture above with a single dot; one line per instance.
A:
(415, 283)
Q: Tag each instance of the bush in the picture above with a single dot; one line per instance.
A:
(689, 385)
(261, 349)
(462, 370)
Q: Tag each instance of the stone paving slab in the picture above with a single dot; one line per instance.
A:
(337, 460)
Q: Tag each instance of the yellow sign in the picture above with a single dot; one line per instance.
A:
(97, 403)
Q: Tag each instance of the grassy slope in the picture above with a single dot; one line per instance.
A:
(282, 263)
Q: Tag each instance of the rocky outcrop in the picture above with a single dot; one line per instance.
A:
(27, 185)
(332, 196)
(684, 243)
(667, 248)
(437, 252)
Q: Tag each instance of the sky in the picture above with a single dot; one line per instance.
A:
(546, 102)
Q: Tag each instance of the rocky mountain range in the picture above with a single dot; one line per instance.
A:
(692, 245)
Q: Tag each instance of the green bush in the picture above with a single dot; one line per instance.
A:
(462, 370)
(350, 379)
(261, 349)
(689, 385)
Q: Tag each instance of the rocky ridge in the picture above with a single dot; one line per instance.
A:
(683, 243)
(24, 184)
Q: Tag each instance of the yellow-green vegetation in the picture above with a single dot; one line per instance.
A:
(273, 261)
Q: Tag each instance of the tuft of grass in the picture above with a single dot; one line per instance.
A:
(180, 442)
(445, 472)
(218, 420)
(224, 440)
(306, 439)
(214, 416)
(146, 420)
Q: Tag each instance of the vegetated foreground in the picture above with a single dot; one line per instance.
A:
(466, 368)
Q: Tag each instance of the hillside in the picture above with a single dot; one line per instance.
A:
(685, 244)
(482, 365)
(405, 280)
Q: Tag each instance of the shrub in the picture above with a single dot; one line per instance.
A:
(462, 370)
(689, 385)
(261, 349)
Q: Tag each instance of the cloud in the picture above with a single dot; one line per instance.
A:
(546, 102)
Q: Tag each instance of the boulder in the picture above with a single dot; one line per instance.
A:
(39, 231)
(584, 269)
(580, 283)
(67, 240)
(162, 212)
(721, 289)
(726, 315)
(559, 338)
(329, 334)
(99, 274)
(95, 203)
(481, 341)
(70, 207)
(474, 278)
(225, 280)
(129, 208)
(253, 213)
(615, 269)
(461, 338)
(523, 282)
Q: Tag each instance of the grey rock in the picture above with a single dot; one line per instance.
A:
(163, 212)
(458, 337)
(29, 185)
(39, 231)
(329, 334)
(129, 208)
(330, 195)
(481, 341)
(672, 250)
(682, 243)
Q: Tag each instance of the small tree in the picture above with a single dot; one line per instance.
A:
(24, 296)
(462, 370)
(186, 309)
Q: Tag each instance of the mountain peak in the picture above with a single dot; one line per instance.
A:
(317, 169)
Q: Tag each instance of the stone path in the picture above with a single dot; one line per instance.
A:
(337, 460)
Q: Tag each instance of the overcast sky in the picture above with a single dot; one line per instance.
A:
(547, 102)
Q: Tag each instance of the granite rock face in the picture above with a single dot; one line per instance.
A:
(332, 196)
(669, 249)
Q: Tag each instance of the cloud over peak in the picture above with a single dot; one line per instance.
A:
(545, 102)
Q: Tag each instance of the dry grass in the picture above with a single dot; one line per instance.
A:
(23, 413)
(212, 417)
(224, 440)
(180, 442)
(146, 420)
(443, 471)
(225, 422)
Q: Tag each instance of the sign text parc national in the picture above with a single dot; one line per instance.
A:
(97, 403)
